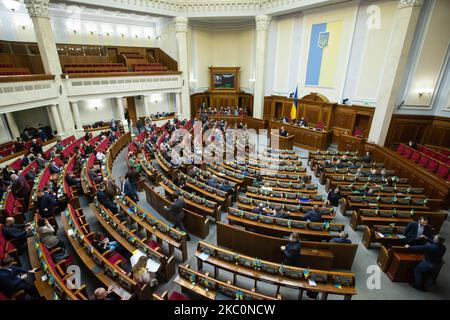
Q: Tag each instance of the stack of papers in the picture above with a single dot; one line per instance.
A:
(312, 283)
(203, 256)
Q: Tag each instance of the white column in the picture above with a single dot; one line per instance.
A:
(262, 27)
(394, 68)
(38, 11)
(56, 119)
(181, 26)
(147, 105)
(76, 117)
(178, 103)
(120, 110)
(12, 125)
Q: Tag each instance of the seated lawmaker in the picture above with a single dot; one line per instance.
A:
(212, 182)
(126, 189)
(73, 181)
(417, 232)
(313, 215)
(343, 238)
(367, 157)
(302, 122)
(54, 168)
(12, 280)
(16, 232)
(19, 145)
(106, 200)
(259, 209)
(49, 204)
(283, 132)
(225, 186)
(291, 251)
(426, 271)
(412, 144)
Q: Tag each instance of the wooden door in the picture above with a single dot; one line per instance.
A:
(131, 106)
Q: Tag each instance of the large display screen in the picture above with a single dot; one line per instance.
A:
(224, 80)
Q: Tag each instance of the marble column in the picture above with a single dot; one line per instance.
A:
(178, 104)
(147, 105)
(56, 119)
(12, 125)
(181, 27)
(77, 118)
(262, 27)
(120, 110)
(38, 11)
(394, 69)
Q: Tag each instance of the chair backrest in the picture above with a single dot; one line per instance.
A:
(442, 170)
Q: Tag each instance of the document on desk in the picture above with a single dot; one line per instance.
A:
(312, 283)
(70, 233)
(203, 256)
(379, 234)
(152, 266)
(121, 292)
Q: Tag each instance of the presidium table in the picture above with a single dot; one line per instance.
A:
(305, 137)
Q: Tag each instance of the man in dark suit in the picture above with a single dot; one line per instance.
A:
(291, 251)
(20, 189)
(302, 122)
(430, 266)
(367, 157)
(259, 209)
(48, 204)
(54, 168)
(177, 210)
(26, 160)
(313, 215)
(16, 232)
(127, 190)
(73, 181)
(343, 238)
(225, 186)
(283, 132)
(212, 182)
(418, 232)
(105, 200)
(11, 281)
(36, 147)
(133, 176)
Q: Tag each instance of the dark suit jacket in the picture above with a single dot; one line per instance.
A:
(313, 216)
(283, 133)
(340, 240)
(126, 189)
(411, 231)
(47, 202)
(14, 231)
(20, 187)
(292, 253)
(177, 208)
(433, 251)
(54, 169)
(105, 200)
(10, 279)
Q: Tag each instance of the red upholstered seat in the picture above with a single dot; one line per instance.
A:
(319, 125)
(177, 296)
(153, 244)
(432, 165)
(424, 161)
(408, 152)
(116, 257)
(401, 148)
(415, 156)
(442, 170)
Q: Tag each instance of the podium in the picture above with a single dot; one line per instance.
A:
(283, 142)
(351, 143)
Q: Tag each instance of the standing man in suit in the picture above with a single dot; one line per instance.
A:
(418, 232)
(20, 189)
(177, 210)
(283, 132)
(127, 190)
(343, 238)
(433, 251)
(133, 176)
(291, 251)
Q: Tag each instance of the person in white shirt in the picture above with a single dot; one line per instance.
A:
(100, 156)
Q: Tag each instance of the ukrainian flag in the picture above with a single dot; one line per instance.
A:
(294, 105)
(324, 48)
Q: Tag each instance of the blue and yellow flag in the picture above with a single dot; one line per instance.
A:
(294, 105)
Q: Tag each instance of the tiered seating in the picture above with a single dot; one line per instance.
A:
(427, 158)
(95, 68)
(11, 70)
(284, 227)
(338, 283)
(208, 287)
(148, 67)
(80, 236)
(56, 272)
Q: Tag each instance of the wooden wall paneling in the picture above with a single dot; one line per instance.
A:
(404, 128)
